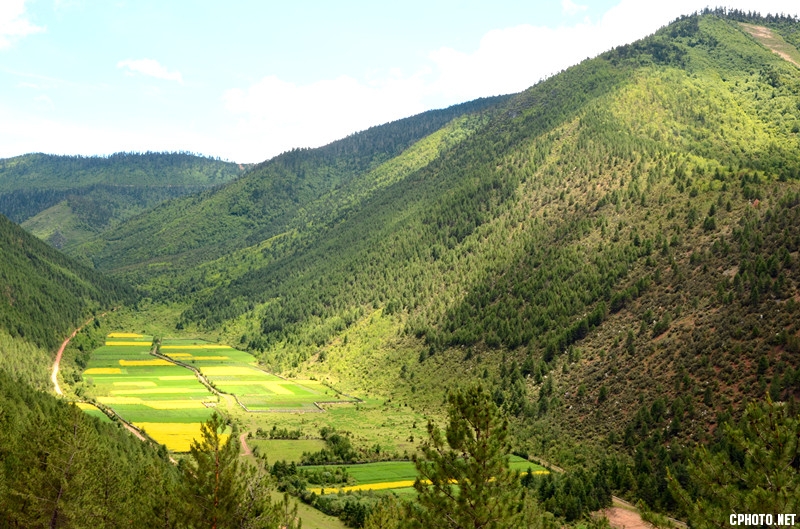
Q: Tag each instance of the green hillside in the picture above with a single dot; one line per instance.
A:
(614, 249)
(293, 191)
(67, 199)
(45, 294)
(644, 164)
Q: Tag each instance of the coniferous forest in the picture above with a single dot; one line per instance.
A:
(598, 277)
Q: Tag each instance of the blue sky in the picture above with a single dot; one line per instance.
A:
(246, 80)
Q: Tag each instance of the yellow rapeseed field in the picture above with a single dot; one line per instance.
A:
(175, 435)
(142, 344)
(103, 371)
(120, 400)
(384, 486)
(187, 356)
(124, 335)
(369, 486)
(150, 391)
(277, 388)
(155, 362)
(202, 346)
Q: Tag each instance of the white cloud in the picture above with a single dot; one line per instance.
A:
(571, 8)
(13, 22)
(512, 59)
(44, 102)
(23, 132)
(150, 68)
(276, 115)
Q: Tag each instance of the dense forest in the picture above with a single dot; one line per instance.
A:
(44, 293)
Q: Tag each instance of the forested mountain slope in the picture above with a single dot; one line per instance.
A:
(66, 199)
(294, 190)
(650, 190)
(614, 250)
(43, 296)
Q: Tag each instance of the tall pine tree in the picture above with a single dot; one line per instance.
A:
(211, 477)
(464, 477)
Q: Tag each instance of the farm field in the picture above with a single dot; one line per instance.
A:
(285, 449)
(396, 427)
(164, 400)
(236, 372)
(397, 475)
(94, 411)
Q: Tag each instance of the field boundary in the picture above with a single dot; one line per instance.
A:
(114, 416)
(203, 380)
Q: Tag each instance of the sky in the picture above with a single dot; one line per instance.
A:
(246, 80)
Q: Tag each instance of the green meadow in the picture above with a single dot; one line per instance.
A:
(285, 449)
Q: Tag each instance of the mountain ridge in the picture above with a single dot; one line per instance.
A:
(68, 199)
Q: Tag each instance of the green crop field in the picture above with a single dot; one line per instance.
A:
(236, 372)
(397, 475)
(94, 411)
(285, 449)
(163, 399)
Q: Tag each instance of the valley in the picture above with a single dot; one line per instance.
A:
(601, 272)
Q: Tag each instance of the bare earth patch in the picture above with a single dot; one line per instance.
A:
(246, 451)
(774, 42)
(621, 518)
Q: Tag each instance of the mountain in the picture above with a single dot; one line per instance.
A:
(44, 295)
(67, 199)
(291, 191)
(614, 251)
(624, 220)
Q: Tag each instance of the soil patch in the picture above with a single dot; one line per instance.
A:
(621, 518)
(774, 42)
(246, 451)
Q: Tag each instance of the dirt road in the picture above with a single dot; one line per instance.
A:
(621, 518)
(57, 363)
(246, 451)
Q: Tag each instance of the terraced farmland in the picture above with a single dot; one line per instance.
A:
(236, 372)
(163, 399)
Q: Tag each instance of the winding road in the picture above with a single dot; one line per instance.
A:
(57, 362)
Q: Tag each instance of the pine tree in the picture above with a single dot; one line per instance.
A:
(57, 477)
(464, 479)
(757, 469)
(387, 514)
(211, 477)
